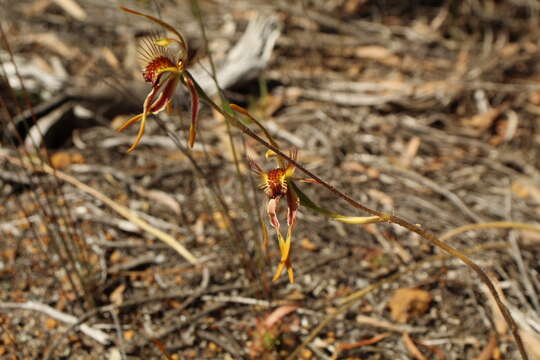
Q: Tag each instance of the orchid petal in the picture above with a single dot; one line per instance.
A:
(292, 206)
(130, 122)
(285, 261)
(286, 246)
(272, 209)
(287, 254)
(255, 167)
(165, 96)
(170, 108)
(146, 109)
(278, 272)
(139, 134)
(141, 117)
(195, 102)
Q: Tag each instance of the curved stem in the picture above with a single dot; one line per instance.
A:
(384, 217)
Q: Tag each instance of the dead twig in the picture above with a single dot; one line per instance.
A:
(95, 334)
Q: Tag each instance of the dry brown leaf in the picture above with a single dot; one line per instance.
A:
(117, 296)
(308, 244)
(407, 303)
(72, 8)
(38, 7)
(306, 354)
(116, 256)
(295, 295)
(129, 334)
(220, 220)
(61, 159)
(377, 53)
(529, 237)
(110, 58)
(534, 97)
(160, 197)
(278, 314)
(489, 349)
(409, 344)
(373, 340)
(482, 122)
(525, 189)
(51, 323)
(353, 166)
(532, 344)
(353, 6)
(410, 151)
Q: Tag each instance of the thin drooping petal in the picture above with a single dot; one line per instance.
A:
(147, 108)
(139, 134)
(195, 106)
(130, 122)
(272, 212)
(285, 261)
(281, 265)
(292, 206)
(255, 167)
(141, 117)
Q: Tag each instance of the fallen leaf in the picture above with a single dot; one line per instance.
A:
(277, 314)
(72, 8)
(377, 53)
(308, 244)
(489, 349)
(160, 197)
(410, 151)
(115, 256)
(117, 296)
(51, 323)
(525, 189)
(531, 342)
(61, 159)
(407, 303)
(306, 354)
(409, 344)
(482, 122)
(370, 341)
(129, 335)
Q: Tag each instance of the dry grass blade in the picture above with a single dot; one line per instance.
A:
(123, 211)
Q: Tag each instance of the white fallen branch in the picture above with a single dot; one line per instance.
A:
(95, 334)
(246, 59)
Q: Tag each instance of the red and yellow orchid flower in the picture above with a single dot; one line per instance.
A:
(275, 184)
(164, 71)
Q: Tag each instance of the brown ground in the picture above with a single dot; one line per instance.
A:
(423, 109)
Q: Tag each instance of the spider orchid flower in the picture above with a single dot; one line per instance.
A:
(275, 184)
(164, 71)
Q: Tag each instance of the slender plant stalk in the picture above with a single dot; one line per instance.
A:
(383, 217)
